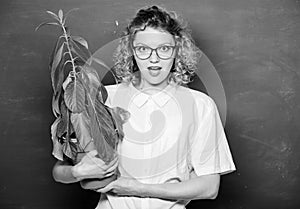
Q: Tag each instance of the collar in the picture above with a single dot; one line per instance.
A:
(139, 98)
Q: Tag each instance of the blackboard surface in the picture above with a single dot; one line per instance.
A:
(255, 48)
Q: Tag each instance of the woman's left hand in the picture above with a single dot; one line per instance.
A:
(124, 186)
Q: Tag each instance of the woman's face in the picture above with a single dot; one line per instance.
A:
(154, 70)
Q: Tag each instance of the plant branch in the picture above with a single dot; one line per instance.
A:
(69, 49)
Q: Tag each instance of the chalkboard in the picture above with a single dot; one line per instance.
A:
(254, 47)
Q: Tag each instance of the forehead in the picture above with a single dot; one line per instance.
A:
(153, 37)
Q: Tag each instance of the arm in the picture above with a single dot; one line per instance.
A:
(63, 172)
(89, 167)
(198, 187)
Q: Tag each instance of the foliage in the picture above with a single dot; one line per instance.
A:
(83, 122)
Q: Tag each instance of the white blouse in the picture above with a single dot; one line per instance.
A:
(169, 134)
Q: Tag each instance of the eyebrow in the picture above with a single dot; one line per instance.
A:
(157, 46)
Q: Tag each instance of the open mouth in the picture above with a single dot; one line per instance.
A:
(154, 68)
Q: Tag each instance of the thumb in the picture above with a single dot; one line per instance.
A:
(106, 189)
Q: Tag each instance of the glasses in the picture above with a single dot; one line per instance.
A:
(164, 52)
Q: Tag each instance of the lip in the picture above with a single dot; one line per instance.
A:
(154, 68)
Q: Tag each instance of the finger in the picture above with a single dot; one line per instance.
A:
(115, 160)
(112, 168)
(105, 189)
(110, 173)
(101, 174)
(112, 165)
(92, 160)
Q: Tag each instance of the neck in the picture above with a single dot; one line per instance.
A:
(150, 88)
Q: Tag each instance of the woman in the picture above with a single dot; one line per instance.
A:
(174, 148)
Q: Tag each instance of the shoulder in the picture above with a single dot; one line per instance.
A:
(116, 92)
(200, 99)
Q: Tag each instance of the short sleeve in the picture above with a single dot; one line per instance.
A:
(210, 153)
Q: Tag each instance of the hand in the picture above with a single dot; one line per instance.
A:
(91, 166)
(124, 187)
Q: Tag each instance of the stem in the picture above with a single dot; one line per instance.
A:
(69, 49)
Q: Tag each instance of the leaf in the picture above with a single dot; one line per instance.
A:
(120, 117)
(58, 79)
(67, 14)
(58, 43)
(95, 86)
(63, 124)
(70, 149)
(104, 93)
(54, 67)
(60, 15)
(100, 62)
(85, 78)
(55, 105)
(80, 50)
(69, 146)
(46, 23)
(74, 96)
(81, 124)
(57, 147)
(102, 129)
(53, 15)
(81, 40)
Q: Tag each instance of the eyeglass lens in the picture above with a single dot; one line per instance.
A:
(163, 52)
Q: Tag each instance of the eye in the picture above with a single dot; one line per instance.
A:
(141, 49)
(165, 48)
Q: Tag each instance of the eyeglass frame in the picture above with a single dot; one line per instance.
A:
(173, 49)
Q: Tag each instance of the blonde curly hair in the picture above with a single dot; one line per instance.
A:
(187, 53)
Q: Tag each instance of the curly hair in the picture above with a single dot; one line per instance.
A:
(187, 55)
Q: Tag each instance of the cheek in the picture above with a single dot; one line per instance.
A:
(168, 65)
(141, 64)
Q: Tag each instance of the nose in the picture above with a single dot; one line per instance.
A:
(153, 57)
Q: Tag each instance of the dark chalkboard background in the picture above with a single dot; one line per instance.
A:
(254, 45)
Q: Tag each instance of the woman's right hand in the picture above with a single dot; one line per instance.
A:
(91, 166)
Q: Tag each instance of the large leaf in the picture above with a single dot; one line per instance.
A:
(120, 117)
(63, 124)
(100, 62)
(81, 40)
(74, 96)
(55, 104)
(58, 43)
(102, 129)
(95, 86)
(81, 124)
(57, 147)
(57, 69)
(102, 123)
(70, 149)
(80, 51)
(70, 145)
